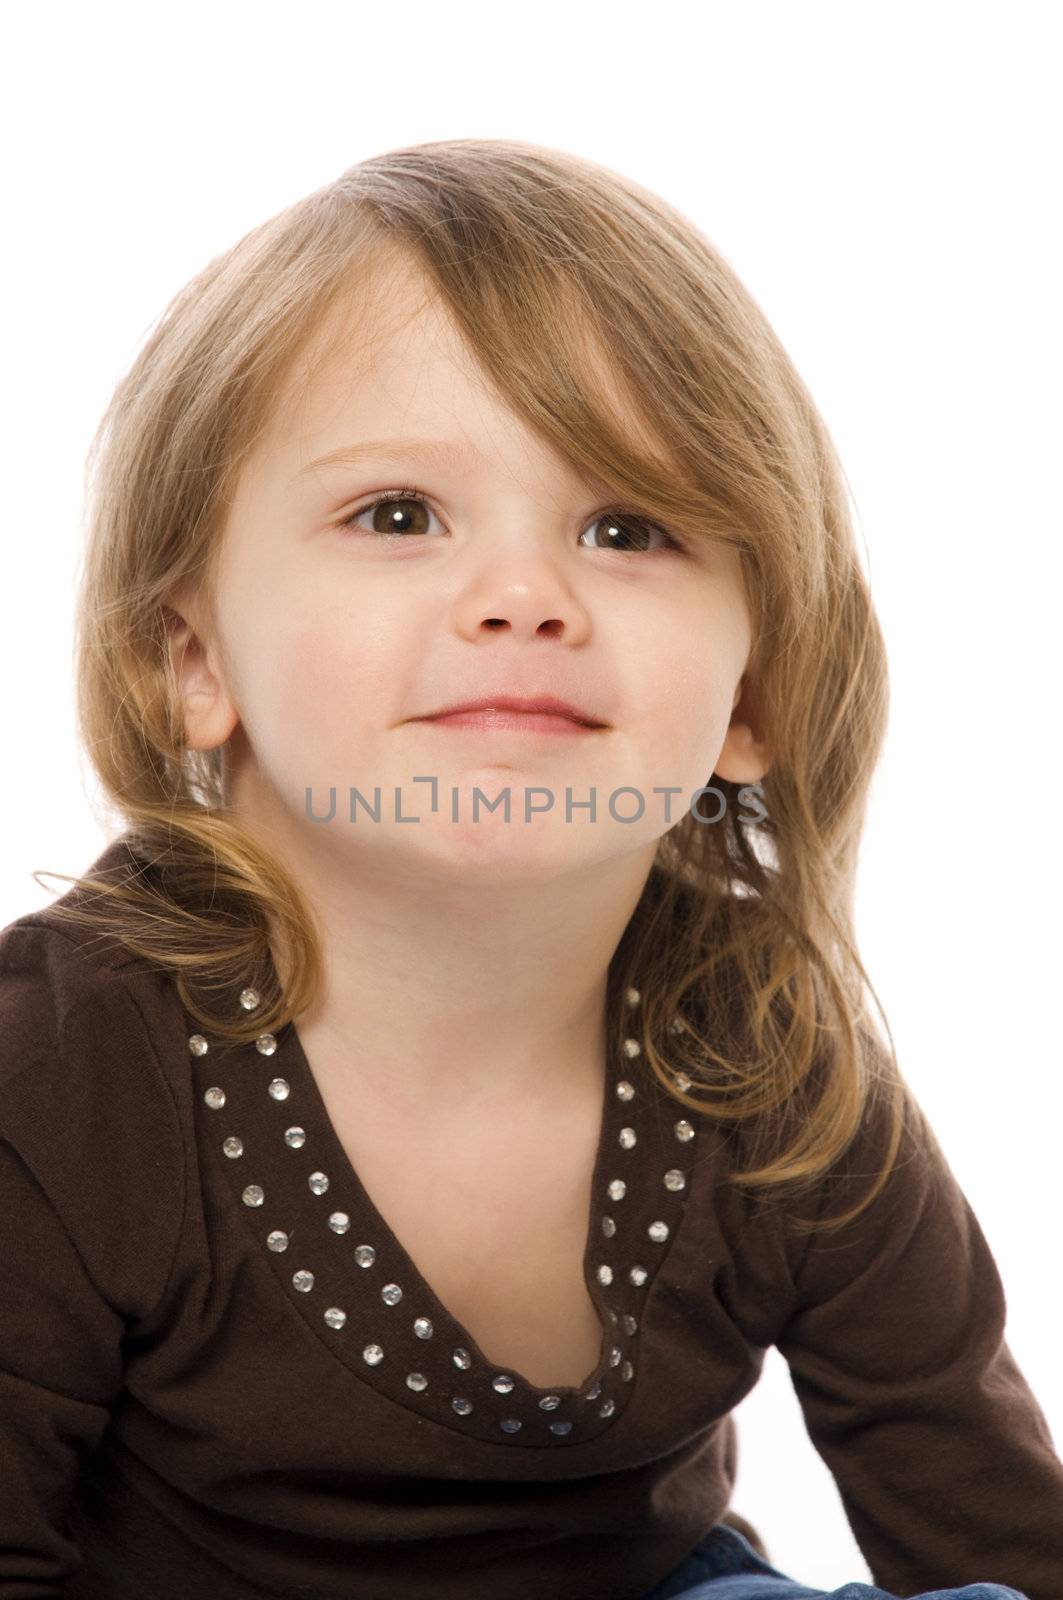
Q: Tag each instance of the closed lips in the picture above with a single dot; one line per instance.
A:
(543, 705)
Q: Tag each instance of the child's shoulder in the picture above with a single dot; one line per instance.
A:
(57, 966)
(85, 1103)
(56, 978)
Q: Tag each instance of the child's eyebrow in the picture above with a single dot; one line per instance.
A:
(390, 450)
(441, 450)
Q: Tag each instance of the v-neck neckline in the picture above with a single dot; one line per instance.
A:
(344, 1177)
(268, 1127)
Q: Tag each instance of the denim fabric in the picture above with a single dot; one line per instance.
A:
(724, 1566)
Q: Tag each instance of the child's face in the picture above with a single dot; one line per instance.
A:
(332, 644)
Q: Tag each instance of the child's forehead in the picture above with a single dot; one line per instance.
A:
(407, 353)
(375, 353)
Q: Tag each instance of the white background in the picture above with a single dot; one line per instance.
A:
(885, 181)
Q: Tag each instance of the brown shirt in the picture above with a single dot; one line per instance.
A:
(221, 1372)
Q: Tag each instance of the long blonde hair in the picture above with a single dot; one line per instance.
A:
(754, 1010)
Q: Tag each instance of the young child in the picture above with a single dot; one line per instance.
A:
(419, 1122)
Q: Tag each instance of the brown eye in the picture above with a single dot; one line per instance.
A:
(395, 514)
(627, 534)
(399, 512)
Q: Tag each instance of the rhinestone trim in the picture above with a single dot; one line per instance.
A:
(326, 1273)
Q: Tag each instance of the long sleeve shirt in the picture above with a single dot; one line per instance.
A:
(221, 1372)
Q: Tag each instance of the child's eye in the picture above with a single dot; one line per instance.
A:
(616, 522)
(395, 523)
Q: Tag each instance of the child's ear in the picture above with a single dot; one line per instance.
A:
(745, 756)
(209, 714)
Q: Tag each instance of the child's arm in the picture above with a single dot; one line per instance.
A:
(60, 1372)
(90, 1207)
(941, 1453)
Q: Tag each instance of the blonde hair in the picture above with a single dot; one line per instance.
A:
(742, 944)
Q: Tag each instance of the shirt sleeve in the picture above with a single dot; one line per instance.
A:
(897, 1354)
(90, 1190)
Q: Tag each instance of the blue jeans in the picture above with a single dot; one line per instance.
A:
(725, 1566)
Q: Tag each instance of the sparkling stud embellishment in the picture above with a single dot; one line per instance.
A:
(677, 1025)
(658, 1231)
(684, 1130)
(674, 1179)
(198, 1045)
(215, 1098)
(502, 1383)
(682, 1082)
